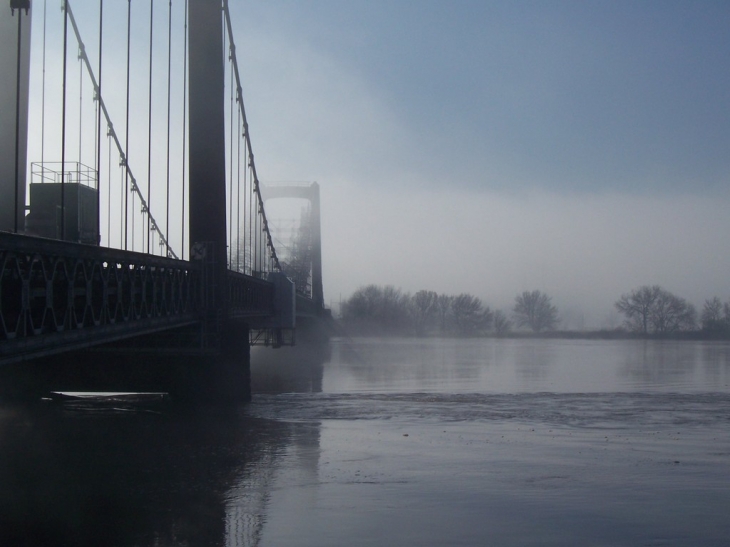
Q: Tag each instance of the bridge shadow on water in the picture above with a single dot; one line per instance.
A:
(143, 470)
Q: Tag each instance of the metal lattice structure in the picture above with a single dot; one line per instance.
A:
(56, 294)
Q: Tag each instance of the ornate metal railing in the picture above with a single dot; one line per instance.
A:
(57, 294)
(249, 296)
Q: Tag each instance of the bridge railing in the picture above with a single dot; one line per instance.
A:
(249, 296)
(55, 294)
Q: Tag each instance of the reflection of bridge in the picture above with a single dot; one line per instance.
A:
(174, 257)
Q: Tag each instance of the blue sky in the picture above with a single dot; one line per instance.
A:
(568, 96)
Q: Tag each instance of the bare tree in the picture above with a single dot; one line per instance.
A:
(637, 306)
(535, 310)
(654, 309)
(713, 318)
(423, 307)
(470, 317)
(502, 325)
(378, 309)
(443, 306)
(671, 313)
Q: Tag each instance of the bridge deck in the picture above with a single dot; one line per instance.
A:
(57, 296)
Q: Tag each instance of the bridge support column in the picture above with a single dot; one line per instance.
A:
(13, 116)
(222, 378)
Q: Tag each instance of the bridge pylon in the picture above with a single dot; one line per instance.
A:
(15, 70)
(310, 193)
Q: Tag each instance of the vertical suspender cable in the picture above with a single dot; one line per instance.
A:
(109, 194)
(230, 183)
(169, 75)
(223, 60)
(17, 123)
(98, 131)
(63, 122)
(184, 128)
(126, 143)
(149, 138)
(250, 201)
(43, 92)
(245, 189)
(76, 223)
(265, 236)
(122, 222)
(238, 189)
(81, 103)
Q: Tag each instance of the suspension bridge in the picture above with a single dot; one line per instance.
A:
(133, 227)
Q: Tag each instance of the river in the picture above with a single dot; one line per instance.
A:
(393, 442)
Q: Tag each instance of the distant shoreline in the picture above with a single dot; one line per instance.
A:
(615, 334)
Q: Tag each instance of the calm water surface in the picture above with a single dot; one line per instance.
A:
(394, 442)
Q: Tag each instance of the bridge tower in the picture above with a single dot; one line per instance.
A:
(224, 339)
(206, 137)
(14, 77)
(311, 194)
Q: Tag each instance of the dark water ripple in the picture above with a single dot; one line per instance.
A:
(613, 410)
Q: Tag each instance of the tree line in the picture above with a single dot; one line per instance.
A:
(649, 310)
(376, 309)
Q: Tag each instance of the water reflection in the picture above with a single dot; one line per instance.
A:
(297, 369)
(106, 472)
(525, 365)
(533, 359)
(86, 477)
(355, 432)
(716, 362)
(660, 362)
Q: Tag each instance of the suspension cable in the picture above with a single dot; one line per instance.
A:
(149, 138)
(230, 181)
(238, 189)
(17, 121)
(81, 101)
(109, 192)
(97, 96)
(128, 174)
(184, 127)
(126, 127)
(169, 75)
(255, 179)
(63, 122)
(43, 92)
(122, 173)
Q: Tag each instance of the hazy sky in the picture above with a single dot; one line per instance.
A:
(581, 148)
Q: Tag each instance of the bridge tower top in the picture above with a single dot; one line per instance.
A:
(310, 192)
